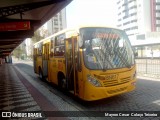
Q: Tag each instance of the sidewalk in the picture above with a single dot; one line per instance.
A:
(13, 94)
(18, 95)
(148, 76)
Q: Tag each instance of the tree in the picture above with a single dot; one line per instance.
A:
(39, 35)
(18, 52)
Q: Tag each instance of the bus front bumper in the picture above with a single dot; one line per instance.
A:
(96, 93)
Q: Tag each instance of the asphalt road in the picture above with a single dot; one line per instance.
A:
(146, 97)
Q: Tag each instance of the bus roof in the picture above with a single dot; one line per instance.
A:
(85, 26)
(70, 32)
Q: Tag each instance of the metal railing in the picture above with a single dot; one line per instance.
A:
(148, 67)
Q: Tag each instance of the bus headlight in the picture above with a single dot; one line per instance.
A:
(93, 81)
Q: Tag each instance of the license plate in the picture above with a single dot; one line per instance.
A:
(111, 77)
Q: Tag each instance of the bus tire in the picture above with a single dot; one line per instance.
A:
(41, 74)
(61, 81)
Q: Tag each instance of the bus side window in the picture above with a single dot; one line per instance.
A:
(79, 64)
(52, 52)
(59, 45)
(59, 51)
(52, 48)
(39, 51)
(56, 51)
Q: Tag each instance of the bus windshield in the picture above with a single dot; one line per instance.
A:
(106, 48)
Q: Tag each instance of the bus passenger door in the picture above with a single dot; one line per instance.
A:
(71, 72)
(45, 59)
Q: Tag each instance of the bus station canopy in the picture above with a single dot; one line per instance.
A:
(20, 18)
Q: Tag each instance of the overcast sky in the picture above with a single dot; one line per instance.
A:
(102, 12)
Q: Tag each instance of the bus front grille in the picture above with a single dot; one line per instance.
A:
(108, 83)
(125, 80)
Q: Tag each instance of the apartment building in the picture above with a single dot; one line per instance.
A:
(140, 19)
(57, 22)
(155, 15)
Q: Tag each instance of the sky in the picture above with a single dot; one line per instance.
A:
(82, 12)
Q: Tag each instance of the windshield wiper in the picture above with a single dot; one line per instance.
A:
(123, 59)
(106, 53)
(106, 60)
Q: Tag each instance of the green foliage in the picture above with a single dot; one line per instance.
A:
(18, 52)
(39, 35)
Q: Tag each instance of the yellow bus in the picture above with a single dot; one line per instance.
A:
(91, 62)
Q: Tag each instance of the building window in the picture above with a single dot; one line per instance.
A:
(158, 11)
(140, 37)
(158, 29)
(130, 34)
(125, 17)
(157, 25)
(133, 7)
(132, 28)
(157, 21)
(136, 27)
(118, 2)
(55, 22)
(133, 14)
(158, 3)
(131, 1)
(126, 23)
(125, 4)
(127, 29)
(119, 19)
(119, 14)
(56, 29)
(119, 25)
(133, 21)
(119, 7)
(126, 9)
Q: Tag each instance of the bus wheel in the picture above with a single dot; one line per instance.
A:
(61, 81)
(40, 74)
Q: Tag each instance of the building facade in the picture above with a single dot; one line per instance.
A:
(140, 19)
(57, 23)
(155, 15)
